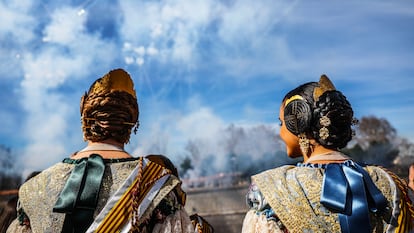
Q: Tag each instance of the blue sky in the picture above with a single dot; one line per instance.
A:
(198, 66)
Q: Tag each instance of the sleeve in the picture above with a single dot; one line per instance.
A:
(258, 223)
(15, 227)
(169, 216)
(178, 222)
(21, 224)
(260, 217)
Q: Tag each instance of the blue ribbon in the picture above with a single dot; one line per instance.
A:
(349, 190)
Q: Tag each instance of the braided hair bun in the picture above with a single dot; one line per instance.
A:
(110, 109)
(334, 106)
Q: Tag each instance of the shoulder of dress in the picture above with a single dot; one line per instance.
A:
(279, 171)
(378, 173)
(37, 184)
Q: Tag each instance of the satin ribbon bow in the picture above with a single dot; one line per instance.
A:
(79, 196)
(349, 190)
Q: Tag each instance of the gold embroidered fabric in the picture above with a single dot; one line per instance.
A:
(294, 194)
(15, 227)
(254, 223)
(38, 197)
(171, 183)
(39, 194)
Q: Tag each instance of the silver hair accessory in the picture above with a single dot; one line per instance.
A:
(303, 143)
(324, 131)
(354, 121)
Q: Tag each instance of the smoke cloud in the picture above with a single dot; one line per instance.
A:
(209, 74)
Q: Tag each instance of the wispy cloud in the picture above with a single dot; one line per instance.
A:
(199, 66)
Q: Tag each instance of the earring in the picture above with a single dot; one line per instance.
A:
(303, 143)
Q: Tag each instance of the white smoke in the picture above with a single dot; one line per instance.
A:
(246, 149)
(51, 51)
(213, 145)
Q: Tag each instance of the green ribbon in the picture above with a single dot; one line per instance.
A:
(79, 196)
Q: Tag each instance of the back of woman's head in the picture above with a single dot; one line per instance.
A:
(320, 112)
(109, 110)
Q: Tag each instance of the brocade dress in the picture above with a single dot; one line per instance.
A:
(321, 197)
(45, 206)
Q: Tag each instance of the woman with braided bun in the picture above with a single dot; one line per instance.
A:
(328, 191)
(102, 188)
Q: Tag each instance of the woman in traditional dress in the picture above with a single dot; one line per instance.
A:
(328, 191)
(102, 188)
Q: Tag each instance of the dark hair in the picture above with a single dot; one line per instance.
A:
(8, 214)
(305, 90)
(336, 107)
(297, 111)
(31, 175)
(332, 104)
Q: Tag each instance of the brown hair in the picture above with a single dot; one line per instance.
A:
(110, 109)
(8, 214)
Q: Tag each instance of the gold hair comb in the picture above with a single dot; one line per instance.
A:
(324, 85)
(118, 80)
(115, 80)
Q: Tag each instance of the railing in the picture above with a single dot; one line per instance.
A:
(9, 192)
(220, 180)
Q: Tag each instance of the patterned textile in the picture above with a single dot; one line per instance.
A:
(154, 201)
(255, 223)
(262, 216)
(119, 208)
(293, 193)
(201, 225)
(38, 197)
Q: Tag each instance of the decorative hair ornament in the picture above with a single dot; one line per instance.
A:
(324, 131)
(120, 122)
(303, 143)
(115, 80)
(324, 85)
(355, 121)
(295, 97)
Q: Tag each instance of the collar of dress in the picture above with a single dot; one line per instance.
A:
(331, 156)
(102, 146)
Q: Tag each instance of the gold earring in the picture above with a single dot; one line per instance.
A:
(303, 143)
